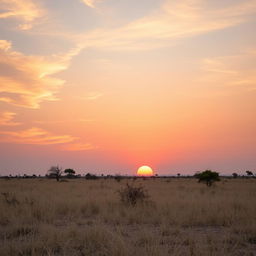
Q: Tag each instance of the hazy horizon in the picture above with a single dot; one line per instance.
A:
(109, 86)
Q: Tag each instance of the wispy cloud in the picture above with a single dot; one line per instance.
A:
(173, 20)
(236, 71)
(35, 136)
(79, 147)
(93, 96)
(91, 3)
(25, 10)
(6, 119)
(27, 80)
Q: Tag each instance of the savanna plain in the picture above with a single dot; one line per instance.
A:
(86, 217)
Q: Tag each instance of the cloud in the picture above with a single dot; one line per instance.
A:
(79, 147)
(25, 10)
(173, 20)
(27, 80)
(235, 71)
(91, 3)
(35, 136)
(93, 96)
(6, 119)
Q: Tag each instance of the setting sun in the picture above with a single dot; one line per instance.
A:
(145, 171)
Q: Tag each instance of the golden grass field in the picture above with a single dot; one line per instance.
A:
(86, 217)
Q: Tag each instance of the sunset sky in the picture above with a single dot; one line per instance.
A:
(105, 86)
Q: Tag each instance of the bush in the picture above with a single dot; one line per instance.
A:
(90, 176)
(131, 195)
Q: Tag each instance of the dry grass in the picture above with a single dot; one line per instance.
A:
(86, 217)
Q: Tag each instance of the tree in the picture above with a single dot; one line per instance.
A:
(90, 176)
(70, 172)
(208, 177)
(235, 175)
(55, 172)
(249, 173)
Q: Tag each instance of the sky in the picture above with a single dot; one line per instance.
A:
(106, 86)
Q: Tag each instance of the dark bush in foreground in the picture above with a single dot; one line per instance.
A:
(208, 177)
(131, 195)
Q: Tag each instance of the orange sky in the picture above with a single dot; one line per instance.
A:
(107, 86)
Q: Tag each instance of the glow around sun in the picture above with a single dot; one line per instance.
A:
(145, 171)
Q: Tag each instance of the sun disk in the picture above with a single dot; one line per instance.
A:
(145, 171)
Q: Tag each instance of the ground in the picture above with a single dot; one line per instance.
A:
(86, 217)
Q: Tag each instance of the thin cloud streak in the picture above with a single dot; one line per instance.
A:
(174, 20)
(93, 96)
(26, 81)
(6, 119)
(235, 71)
(35, 136)
(79, 147)
(25, 10)
(91, 3)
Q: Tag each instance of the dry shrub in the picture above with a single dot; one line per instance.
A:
(131, 195)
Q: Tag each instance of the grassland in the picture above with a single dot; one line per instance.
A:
(86, 217)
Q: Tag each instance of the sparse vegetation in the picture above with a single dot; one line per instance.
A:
(81, 217)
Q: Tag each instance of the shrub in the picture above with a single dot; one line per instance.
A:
(235, 175)
(131, 195)
(90, 176)
(118, 178)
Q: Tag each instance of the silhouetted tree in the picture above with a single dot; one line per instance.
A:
(235, 175)
(208, 177)
(249, 173)
(70, 172)
(55, 172)
(89, 176)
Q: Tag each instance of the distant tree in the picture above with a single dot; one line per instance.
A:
(90, 176)
(235, 175)
(208, 177)
(70, 172)
(178, 174)
(55, 172)
(249, 173)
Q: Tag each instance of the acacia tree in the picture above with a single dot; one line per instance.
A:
(55, 172)
(208, 177)
(70, 172)
(235, 175)
(249, 173)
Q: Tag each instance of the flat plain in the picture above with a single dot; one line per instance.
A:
(86, 217)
